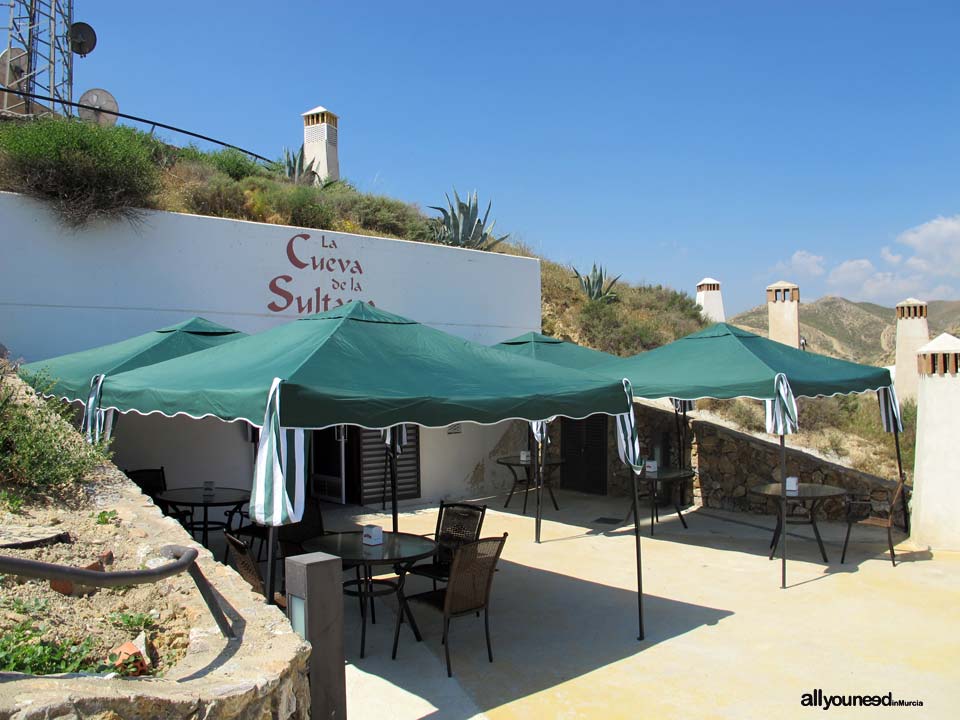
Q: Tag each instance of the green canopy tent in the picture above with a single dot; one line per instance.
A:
(355, 365)
(555, 351)
(724, 362)
(74, 377)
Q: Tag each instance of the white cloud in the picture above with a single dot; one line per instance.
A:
(889, 256)
(935, 245)
(802, 263)
(926, 269)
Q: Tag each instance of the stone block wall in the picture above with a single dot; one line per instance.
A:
(729, 462)
(261, 674)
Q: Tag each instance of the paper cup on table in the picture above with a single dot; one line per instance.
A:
(793, 485)
(525, 457)
(372, 535)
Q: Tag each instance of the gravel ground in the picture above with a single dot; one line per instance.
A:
(76, 618)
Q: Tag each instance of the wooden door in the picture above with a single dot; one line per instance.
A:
(583, 447)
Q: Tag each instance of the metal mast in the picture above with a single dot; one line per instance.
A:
(38, 58)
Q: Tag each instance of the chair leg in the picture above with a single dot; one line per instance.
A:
(893, 557)
(486, 625)
(845, 541)
(446, 644)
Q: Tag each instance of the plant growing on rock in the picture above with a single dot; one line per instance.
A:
(597, 285)
(460, 224)
(292, 167)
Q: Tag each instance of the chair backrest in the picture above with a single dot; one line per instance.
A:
(151, 480)
(310, 525)
(245, 563)
(457, 523)
(896, 498)
(471, 575)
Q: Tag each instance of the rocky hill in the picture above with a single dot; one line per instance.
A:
(859, 331)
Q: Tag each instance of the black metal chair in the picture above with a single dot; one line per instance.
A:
(152, 482)
(860, 512)
(457, 523)
(467, 591)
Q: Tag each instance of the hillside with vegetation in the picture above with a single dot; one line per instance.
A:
(86, 172)
(858, 331)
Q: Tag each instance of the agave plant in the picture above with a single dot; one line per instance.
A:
(596, 285)
(461, 225)
(291, 166)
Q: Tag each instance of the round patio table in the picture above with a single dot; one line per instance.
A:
(206, 498)
(511, 462)
(401, 550)
(669, 478)
(811, 493)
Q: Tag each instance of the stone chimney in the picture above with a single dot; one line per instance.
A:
(783, 312)
(710, 299)
(320, 143)
(912, 334)
(936, 490)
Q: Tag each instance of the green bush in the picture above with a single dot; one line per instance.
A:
(220, 196)
(236, 164)
(82, 170)
(22, 649)
(38, 449)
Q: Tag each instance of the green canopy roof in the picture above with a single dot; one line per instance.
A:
(70, 375)
(552, 350)
(363, 366)
(724, 361)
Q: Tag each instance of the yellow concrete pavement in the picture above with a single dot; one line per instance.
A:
(722, 639)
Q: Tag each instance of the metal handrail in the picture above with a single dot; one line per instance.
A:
(145, 121)
(184, 559)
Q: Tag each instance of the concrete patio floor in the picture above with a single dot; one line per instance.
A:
(722, 639)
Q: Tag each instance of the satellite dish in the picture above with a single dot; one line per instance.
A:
(83, 39)
(97, 101)
(13, 66)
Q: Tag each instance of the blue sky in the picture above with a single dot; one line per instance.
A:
(749, 141)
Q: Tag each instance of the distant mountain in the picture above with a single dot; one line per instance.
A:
(859, 331)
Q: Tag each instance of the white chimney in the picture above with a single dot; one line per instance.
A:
(320, 143)
(936, 491)
(783, 313)
(912, 334)
(710, 299)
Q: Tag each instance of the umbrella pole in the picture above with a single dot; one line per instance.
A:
(636, 536)
(903, 494)
(271, 561)
(394, 446)
(676, 418)
(539, 479)
(783, 511)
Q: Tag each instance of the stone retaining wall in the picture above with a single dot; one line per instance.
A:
(262, 674)
(729, 462)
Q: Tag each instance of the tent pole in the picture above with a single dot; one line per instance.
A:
(271, 561)
(676, 418)
(903, 494)
(394, 447)
(783, 511)
(539, 479)
(636, 536)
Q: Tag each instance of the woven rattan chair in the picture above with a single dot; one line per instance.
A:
(247, 567)
(860, 512)
(457, 523)
(467, 591)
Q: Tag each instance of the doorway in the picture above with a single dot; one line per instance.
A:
(583, 447)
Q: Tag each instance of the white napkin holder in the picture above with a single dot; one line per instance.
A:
(372, 535)
(651, 467)
(524, 457)
(793, 485)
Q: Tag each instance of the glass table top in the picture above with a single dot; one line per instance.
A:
(806, 491)
(396, 547)
(210, 497)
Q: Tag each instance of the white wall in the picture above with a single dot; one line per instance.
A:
(935, 507)
(63, 291)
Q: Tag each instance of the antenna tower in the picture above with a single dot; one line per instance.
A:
(38, 57)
